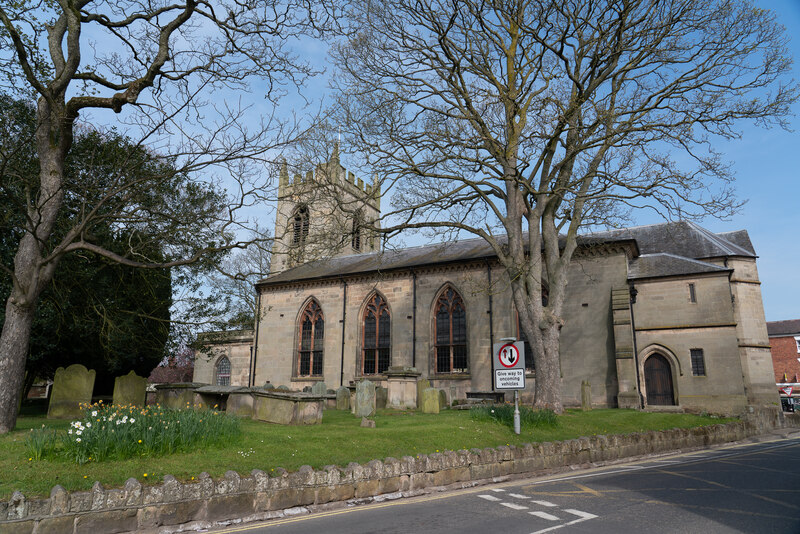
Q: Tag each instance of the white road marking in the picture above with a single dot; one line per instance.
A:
(518, 496)
(545, 503)
(544, 515)
(514, 506)
(585, 515)
(498, 490)
(489, 497)
(568, 523)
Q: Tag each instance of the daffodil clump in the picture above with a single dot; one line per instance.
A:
(111, 432)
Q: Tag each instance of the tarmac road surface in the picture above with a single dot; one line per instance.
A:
(742, 488)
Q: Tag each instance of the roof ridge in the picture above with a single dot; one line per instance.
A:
(717, 239)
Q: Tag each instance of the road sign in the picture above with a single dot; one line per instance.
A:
(508, 364)
(787, 390)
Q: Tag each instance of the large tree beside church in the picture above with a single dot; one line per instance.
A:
(163, 68)
(524, 121)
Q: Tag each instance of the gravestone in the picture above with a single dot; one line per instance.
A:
(282, 388)
(367, 423)
(430, 401)
(443, 404)
(586, 396)
(130, 390)
(72, 387)
(365, 399)
(343, 398)
(319, 388)
(422, 385)
(381, 395)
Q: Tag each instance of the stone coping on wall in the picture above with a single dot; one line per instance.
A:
(173, 506)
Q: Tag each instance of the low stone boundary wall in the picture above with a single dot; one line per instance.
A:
(205, 502)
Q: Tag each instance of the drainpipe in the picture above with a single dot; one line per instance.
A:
(254, 349)
(633, 293)
(344, 316)
(413, 319)
(491, 315)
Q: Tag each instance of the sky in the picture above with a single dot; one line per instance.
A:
(766, 163)
(767, 166)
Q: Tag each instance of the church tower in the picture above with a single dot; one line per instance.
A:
(325, 213)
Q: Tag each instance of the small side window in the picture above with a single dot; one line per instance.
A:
(692, 293)
(698, 362)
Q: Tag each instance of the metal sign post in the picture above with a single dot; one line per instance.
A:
(508, 365)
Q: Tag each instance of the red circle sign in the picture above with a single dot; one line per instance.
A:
(508, 355)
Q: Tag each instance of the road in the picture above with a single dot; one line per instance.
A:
(744, 488)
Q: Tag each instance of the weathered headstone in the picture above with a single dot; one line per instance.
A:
(306, 389)
(72, 387)
(282, 388)
(430, 401)
(343, 398)
(365, 399)
(130, 390)
(381, 395)
(443, 404)
(422, 385)
(367, 423)
(319, 388)
(586, 396)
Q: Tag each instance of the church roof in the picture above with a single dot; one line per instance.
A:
(666, 264)
(783, 328)
(667, 249)
(685, 238)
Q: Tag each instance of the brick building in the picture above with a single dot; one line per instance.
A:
(784, 342)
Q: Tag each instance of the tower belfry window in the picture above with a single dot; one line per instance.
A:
(357, 223)
(300, 223)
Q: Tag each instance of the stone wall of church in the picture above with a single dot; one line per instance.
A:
(233, 345)
(670, 324)
(587, 345)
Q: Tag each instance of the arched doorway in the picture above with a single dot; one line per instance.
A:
(658, 381)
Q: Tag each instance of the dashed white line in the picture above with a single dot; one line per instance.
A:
(545, 503)
(584, 515)
(489, 497)
(544, 515)
(514, 506)
(518, 496)
(498, 490)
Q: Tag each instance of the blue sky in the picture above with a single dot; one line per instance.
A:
(766, 162)
(767, 165)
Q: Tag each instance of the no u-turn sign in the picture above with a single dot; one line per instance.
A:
(508, 363)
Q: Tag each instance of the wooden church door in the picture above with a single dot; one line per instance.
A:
(658, 381)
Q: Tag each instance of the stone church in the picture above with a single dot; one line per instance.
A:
(666, 316)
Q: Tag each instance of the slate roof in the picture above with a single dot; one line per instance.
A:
(665, 264)
(666, 249)
(783, 328)
(685, 238)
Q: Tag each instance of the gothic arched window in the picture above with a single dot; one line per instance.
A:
(312, 332)
(222, 372)
(450, 332)
(300, 223)
(376, 350)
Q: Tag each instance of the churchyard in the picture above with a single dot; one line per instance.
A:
(338, 440)
(193, 429)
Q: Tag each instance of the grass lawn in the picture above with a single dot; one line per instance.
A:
(339, 440)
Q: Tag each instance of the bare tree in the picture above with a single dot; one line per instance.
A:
(166, 69)
(522, 121)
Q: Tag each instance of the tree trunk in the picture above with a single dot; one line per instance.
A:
(548, 371)
(13, 351)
